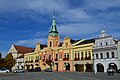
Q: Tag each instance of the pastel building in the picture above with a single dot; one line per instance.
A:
(18, 54)
(105, 53)
(70, 55)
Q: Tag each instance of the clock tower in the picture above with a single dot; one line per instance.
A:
(53, 38)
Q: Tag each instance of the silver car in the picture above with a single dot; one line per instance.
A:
(18, 71)
(4, 70)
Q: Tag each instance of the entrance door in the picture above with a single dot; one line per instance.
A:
(100, 67)
(77, 67)
(67, 66)
(56, 66)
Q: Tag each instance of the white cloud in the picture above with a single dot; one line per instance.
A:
(79, 29)
(102, 4)
(31, 42)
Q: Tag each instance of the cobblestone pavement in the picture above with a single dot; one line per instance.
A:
(58, 76)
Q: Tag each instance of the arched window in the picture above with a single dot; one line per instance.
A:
(96, 55)
(101, 55)
(107, 55)
(50, 43)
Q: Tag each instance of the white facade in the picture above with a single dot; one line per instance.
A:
(105, 53)
(19, 61)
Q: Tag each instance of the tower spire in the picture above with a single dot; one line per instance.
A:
(53, 31)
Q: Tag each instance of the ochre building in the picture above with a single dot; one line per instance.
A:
(70, 55)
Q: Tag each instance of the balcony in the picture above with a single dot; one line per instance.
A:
(76, 59)
(43, 60)
(36, 60)
(82, 58)
(65, 59)
(88, 58)
(56, 59)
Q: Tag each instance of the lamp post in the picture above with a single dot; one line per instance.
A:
(93, 64)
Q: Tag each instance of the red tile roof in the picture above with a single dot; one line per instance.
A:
(23, 50)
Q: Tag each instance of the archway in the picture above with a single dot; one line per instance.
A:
(56, 66)
(67, 66)
(89, 67)
(113, 66)
(100, 67)
(77, 67)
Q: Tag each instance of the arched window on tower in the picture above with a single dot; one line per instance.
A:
(50, 43)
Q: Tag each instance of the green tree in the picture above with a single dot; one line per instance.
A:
(9, 61)
(0, 55)
(2, 62)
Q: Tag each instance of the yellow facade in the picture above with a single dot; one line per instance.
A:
(67, 57)
(71, 55)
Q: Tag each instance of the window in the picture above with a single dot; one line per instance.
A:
(50, 43)
(82, 54)
(112, 54)
(37, 57)
(75, 55)
(107, 55)
(67, 55)
(96, 56)
(101, 55)
(86, 54)
(100, 44)
(78, 55)
(106, 43)
(64, 55)
(89, 53)
(56, 56)
(49, 57)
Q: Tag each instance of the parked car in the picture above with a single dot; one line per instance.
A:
(118, 71)
(4, 70)
(48, 70)
(37, 69)
(18, 71)
(31, 70)
(110, 71)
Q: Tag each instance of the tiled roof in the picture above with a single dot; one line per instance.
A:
(87, 41)
(22, 56)
(23, 50)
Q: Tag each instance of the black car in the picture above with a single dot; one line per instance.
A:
(48, 70)
(37, 69)
(31, 70)
(118, 71)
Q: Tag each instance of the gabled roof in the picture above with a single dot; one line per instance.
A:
(23, 50)
(87, 41)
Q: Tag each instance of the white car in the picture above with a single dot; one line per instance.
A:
(18, 71)
(4, 70)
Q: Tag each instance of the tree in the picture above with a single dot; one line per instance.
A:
(0, 55)
(9, 61)
(2, 62)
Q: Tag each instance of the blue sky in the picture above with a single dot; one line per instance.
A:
(26, 22)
